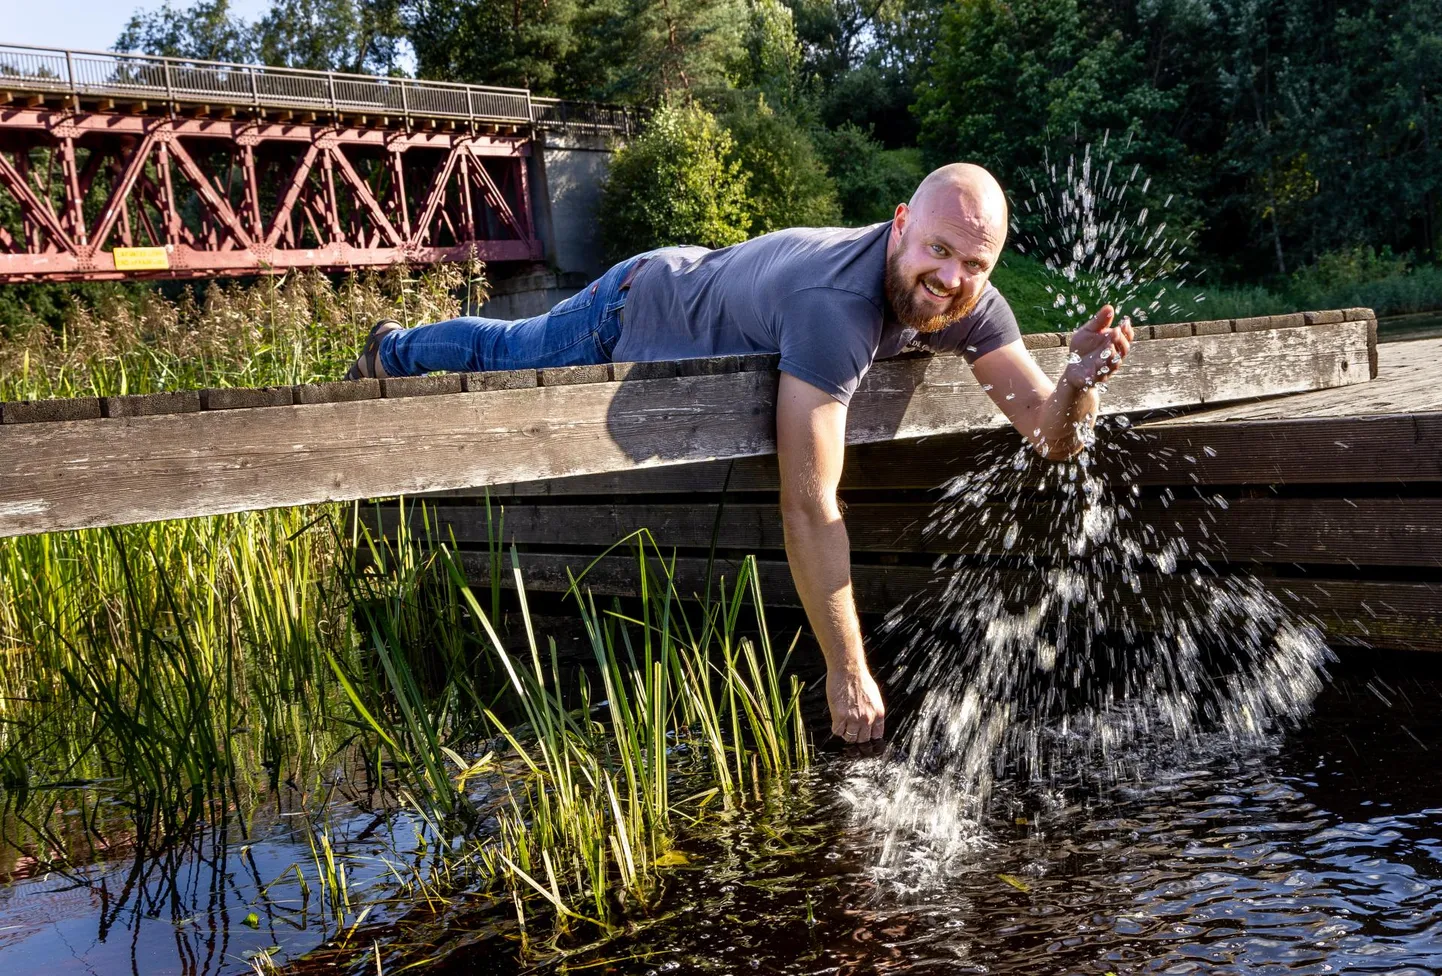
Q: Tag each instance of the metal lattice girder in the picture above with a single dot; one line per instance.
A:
(203, 197)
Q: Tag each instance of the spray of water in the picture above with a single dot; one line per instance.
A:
(1104, 244)
(1082, 638)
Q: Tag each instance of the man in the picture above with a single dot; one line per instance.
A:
(830, 301)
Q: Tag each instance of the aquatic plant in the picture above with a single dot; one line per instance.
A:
(691, 691)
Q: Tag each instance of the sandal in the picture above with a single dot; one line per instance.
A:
(364, 367)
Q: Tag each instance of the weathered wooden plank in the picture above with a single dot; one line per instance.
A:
(111, 471)
(1323, 531)
(441, 384)
(501, 379)
(151, 404)
(1378, 614)
(1347, 450)
(247, 398)
(339, 391)
(1409, 380)
(50, 411)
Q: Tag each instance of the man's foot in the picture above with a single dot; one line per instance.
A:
(368, 366)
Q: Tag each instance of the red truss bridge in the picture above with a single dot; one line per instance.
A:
(123, 166)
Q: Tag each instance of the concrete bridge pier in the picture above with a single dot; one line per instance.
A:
(566, 170)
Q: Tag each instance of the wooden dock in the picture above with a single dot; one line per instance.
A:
(85, 463)
(1333, 499)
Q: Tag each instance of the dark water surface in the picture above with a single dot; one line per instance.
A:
(1319, 854)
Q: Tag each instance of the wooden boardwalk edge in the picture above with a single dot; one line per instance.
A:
(258, 449)
(1255, 531)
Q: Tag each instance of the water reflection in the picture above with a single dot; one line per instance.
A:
(1318, 853)
(210, 900)
(1315, 852)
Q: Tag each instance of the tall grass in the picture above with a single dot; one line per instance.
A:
(298, 328)
(192, 666)
(678, 691)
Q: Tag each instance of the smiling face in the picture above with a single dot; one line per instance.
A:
(943, 246)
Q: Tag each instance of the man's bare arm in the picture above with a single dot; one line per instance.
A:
(1056, 418)
(810, 446)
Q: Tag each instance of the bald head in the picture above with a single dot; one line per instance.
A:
(943, 246)
(966, 192)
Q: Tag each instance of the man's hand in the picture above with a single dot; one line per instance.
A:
(1056, 419)
(857, 714)
(1097, 349)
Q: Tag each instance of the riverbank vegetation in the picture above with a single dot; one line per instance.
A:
(1360, 278)
(177, 677)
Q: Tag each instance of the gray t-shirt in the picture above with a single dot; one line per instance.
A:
(817, 296)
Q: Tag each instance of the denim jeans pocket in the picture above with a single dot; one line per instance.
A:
(578, 302)
(608, 330)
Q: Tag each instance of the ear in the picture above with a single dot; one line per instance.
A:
(898, 221)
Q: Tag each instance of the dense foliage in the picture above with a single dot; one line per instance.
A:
(1285, 128)
(675, 184)
(1275, 132)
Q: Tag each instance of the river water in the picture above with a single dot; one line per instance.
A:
(1317, 852)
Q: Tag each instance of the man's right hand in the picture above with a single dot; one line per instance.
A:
(857, 711)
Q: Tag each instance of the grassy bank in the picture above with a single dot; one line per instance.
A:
(165, 678)
(1348, 280)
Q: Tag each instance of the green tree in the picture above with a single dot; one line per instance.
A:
(321, 35)
(787, 185)
(503, 42)
(866, 58)
(642, 50)
(770, 56)
(207, 30)
(359, 36)
(1018, 85)
(870, 179)
(674, 184)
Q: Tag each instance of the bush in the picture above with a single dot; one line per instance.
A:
(675, 184)
(1341, 269)
(787, 186)
(870, 180)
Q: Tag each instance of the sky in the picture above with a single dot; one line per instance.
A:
(87, 24)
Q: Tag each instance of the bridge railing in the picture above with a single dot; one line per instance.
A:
(593, 115)
(98, 74)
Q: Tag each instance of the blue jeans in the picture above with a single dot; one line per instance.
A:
(579, 331)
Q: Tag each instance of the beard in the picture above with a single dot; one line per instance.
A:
(911, 309)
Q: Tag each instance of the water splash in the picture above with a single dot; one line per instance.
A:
(1082, 639)
(1085, 636)
(1104, 243)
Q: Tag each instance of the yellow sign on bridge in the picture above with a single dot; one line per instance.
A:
(142, 259)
